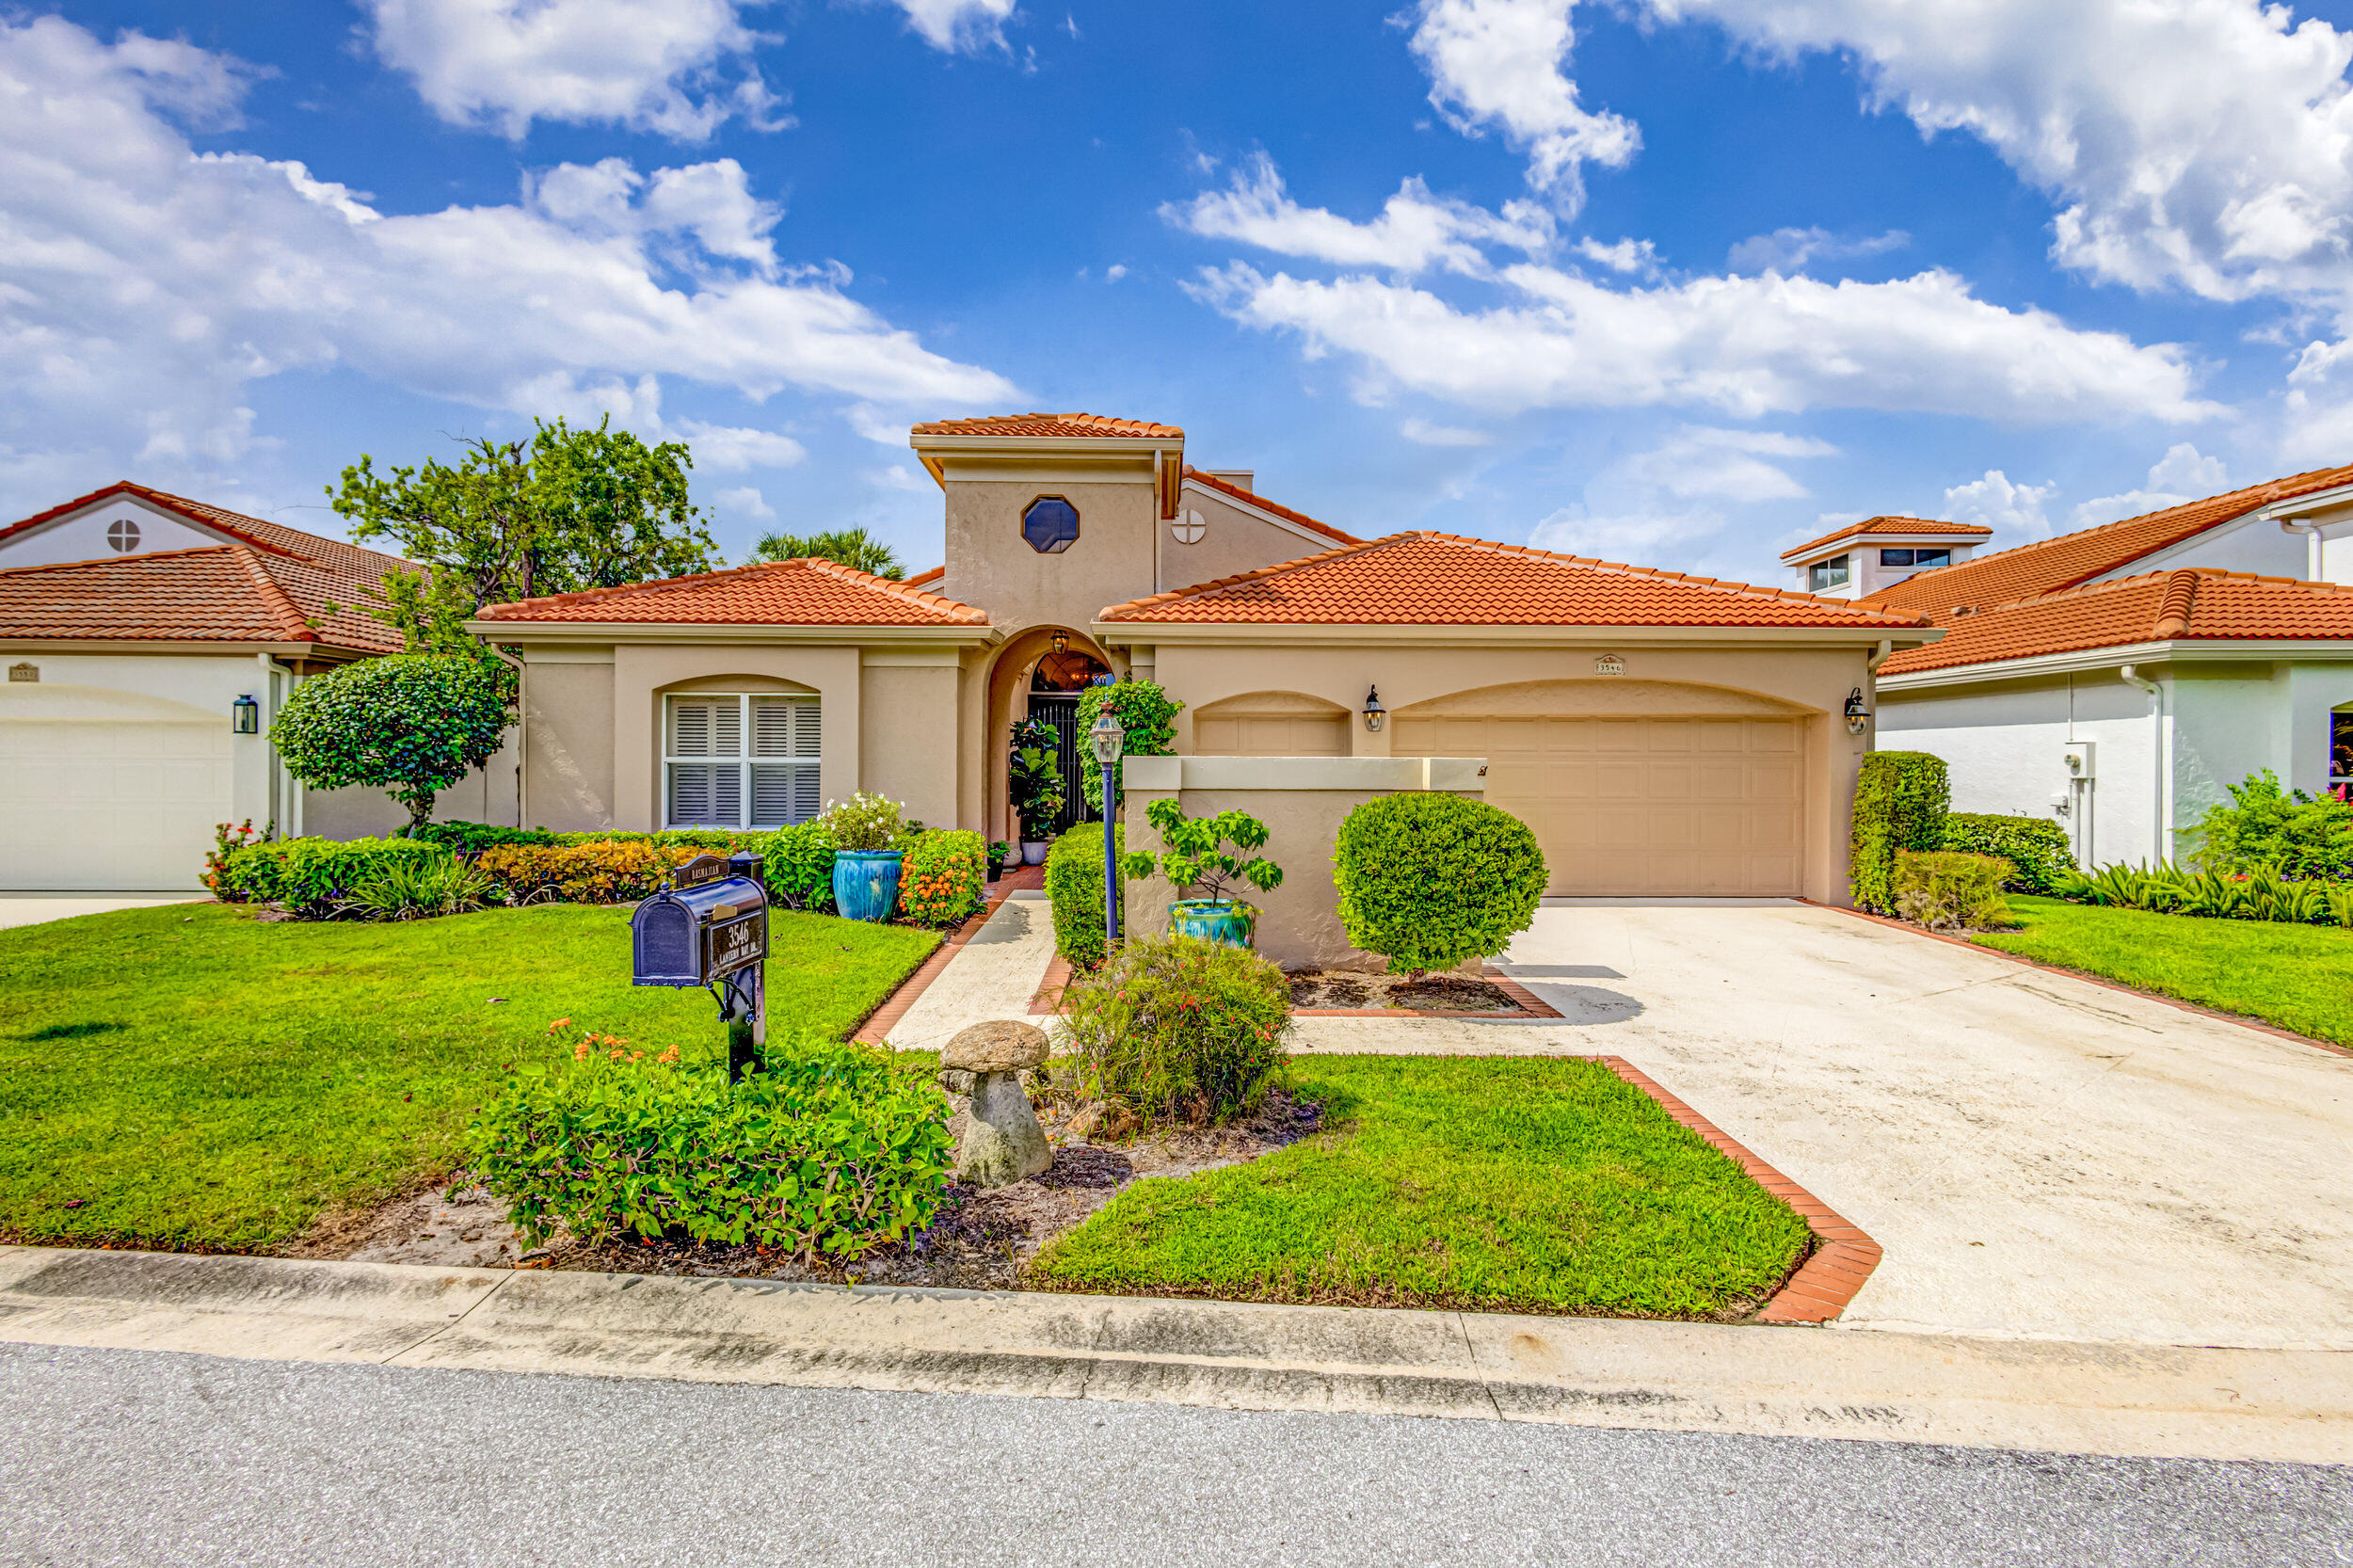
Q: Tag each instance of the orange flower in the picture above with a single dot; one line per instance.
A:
(558, 1024)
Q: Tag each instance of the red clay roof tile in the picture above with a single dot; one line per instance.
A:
(1049, 425)
(803, 591)
(1251, 498)
(1913, 527)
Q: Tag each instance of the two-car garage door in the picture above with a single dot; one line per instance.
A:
(1637, 806)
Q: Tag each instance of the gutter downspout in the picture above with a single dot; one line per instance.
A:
(522, 724)
(2159, 812)
(2310, 528)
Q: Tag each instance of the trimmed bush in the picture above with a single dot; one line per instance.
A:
(1899, 803)
(2036, 849)
(1074, 881)
(408, 723)
(600, 871)
(470, 837)
(314, 877)
(799, 867)
(1947, 891)
(943, 877)
(2289, 832)
(831, 1151)
(1178, 1029)
(1432, 880)
(1148, 716)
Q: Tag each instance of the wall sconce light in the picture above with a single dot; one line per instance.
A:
(1375, 715)
(245, 716)
(1857, 715)
(1060, 642)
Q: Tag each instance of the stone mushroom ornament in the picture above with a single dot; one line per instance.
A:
(1003, 1142)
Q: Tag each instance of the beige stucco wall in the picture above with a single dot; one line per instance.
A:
(1234, 542)
(995, 570)
(907, 723)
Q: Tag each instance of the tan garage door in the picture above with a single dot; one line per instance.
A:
(109, 805)
(1642, 805)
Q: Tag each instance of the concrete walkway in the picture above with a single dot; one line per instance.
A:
(38, 908)
(2040, 1157)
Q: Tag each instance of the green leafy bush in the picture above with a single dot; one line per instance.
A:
(2295, 834)
(2260, 895)
(798, 866)
(1033, 780)
(1948, 891)
(410, 724)
(831, 1151)
(1178, 1029)
(1431, 880)
(943, 878)
(314, 877)
(470, 838)
(228, 837)
(1073, 883)
(1147, 714)
(1195, 861)
(2036, 849)
(1900, 803)
(866, 822)
(416, 888)
(599, 871)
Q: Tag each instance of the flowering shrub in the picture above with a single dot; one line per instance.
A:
(829, 1151)
(1178, 1029)
(943, 878)
(600, 871)
(226, 840)
(866, 821)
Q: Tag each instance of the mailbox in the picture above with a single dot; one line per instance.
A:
(709, 923)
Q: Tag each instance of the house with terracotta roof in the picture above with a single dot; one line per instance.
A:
(2122, 677)
(149, 640)
(1664, 734)
(1878, 553)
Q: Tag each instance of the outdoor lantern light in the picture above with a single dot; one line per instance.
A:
(1106, 740)
(1375, 715)
(1857, 715)
(245, 716)
(1062, 642)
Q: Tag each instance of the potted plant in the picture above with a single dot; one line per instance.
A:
(1033, 779)
(866, 829)
(1197, 858)
(998, 853)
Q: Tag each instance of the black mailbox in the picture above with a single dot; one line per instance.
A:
(712, 921)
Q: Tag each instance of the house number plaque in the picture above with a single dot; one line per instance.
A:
(1608, 664)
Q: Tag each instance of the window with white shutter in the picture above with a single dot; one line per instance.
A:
(740, 760)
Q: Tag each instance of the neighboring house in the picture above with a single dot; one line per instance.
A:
(1878, 553)
(2122, 677)
(1663, 734)
(149, 640)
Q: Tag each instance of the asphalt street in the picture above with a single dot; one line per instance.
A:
(143, 1457)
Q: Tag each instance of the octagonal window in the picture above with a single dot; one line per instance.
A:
(1049, 524)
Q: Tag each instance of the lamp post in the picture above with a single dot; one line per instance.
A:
(1105, 740)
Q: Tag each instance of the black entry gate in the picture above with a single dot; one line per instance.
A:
(1071, 754)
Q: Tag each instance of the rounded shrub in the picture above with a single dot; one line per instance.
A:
(1431, 880)
(410, 724)
(2036, 847)
(1178, 1029)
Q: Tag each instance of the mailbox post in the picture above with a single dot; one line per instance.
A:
(709, 927)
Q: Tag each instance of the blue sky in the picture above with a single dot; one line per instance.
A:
(1677, 281)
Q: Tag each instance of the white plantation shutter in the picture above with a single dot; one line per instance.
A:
(784, 791)
(742, 760)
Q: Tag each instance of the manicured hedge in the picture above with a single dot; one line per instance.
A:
(1899, 803)
(1432, 880)
(310, 876)
(609, 873)
(943, 877)
(470, 838)
(2037, 849)
(1946, 891)
(1147, 717)
(1074, 881)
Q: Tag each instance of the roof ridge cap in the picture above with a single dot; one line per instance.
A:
(2175, 604)
(290, 618)
(124, 560)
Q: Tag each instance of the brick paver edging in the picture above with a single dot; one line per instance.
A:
(894, 1007)
(1047, 999)
(2101, 981)
(1844, 1253)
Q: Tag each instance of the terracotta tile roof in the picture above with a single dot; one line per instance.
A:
(925, 579)
(232, 593)
(1251, 498)
(1909, 527)
(1048, 424)
(1442, 579)
(2187, 604)
(2010, 575)
(803, 591)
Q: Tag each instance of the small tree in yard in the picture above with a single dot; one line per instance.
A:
(1195, 857)
(410, 725)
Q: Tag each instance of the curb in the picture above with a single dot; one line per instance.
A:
(1863, 1385)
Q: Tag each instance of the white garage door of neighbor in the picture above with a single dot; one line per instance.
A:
(1642, 805)
(109, 805)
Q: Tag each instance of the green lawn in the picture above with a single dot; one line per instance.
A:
(1497, 1183)
(2299, 977)
(188, 1075)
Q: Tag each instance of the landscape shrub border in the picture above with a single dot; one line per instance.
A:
(1901, 799)
(1432, 880)
(1947, 890)
(1074, 885)
(2036, 848)
(943, 877)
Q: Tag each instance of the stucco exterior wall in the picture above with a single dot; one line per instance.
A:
(81, 535)
(994, 567)
(1235, 541)
(908, 741)
(2264, 548)
(643, 675)
(568, 740)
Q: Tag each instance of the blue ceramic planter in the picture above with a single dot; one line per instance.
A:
(1225, 922)
(866, 882)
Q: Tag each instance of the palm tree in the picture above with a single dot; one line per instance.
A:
(854, 547)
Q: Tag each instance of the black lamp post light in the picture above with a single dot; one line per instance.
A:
(245, 716)
(1106, 739)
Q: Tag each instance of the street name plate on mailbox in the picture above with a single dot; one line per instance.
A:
(702, 928)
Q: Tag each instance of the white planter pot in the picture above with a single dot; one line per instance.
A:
(1033, 853)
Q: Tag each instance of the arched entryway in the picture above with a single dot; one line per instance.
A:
(1039, 674)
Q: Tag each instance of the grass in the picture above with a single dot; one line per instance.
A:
(1501, 1184)
(2300, 977)
(190, 1076)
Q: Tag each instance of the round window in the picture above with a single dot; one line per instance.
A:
(1050, 524)
(1189, 528)
(123, 535)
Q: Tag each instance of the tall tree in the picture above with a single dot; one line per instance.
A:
(567, 510)
(854, 547)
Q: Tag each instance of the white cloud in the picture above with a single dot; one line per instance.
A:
(1115, 272)
(1638, 257)
(961, 24)
(1415, 231)
(144, 287)
(1726, 465)
(2183, 474)
(2012, 510)
(1747, 346)
(729, 449)
(1788, 251)
(678, 68)
(744, 502)
(1420, 430)
(1502, 63)
(1676, 502)
(2318, 428)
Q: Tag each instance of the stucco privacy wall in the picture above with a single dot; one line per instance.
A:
(1303, 801)
(1433, 669)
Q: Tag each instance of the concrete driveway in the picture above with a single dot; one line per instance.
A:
(35, 908)
(2040, 1156)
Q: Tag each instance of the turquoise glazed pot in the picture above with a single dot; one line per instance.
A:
(866, 882)
(1225, 922)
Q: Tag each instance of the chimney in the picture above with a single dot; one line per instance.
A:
(1241, 478)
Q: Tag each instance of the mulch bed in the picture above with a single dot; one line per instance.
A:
(1431, 993)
